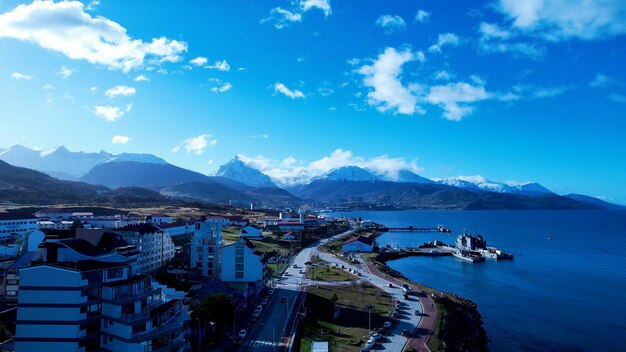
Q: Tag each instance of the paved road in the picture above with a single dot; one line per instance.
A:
(266, 334)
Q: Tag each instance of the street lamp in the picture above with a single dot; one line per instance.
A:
(369, 318)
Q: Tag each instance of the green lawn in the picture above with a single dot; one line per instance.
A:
(327, 273)
(347, 331)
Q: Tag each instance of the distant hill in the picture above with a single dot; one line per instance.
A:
(216, 192)
(139, 174)
(25, 186)
(595, 201)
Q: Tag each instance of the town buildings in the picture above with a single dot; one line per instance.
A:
(251, 231)
(358, 244)
(15, 226)
(241, 262)
(80, 297)
(205, 249)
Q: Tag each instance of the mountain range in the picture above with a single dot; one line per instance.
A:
(149, 175)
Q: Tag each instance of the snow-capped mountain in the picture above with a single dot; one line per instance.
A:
(301, 178)
(237, 170)
(349, 173)
(57, 162)
(67, 165)
(478, 183)
(405, 176)
(140, 158)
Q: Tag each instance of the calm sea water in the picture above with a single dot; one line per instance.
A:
(563, 294)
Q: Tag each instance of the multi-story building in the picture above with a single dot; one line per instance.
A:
(241, 262)
(175, 229)
(16, 226)
(82, 298)
(60, 213)
(156, 246)
(205, 249)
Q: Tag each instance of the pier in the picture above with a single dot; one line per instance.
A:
(415, 229)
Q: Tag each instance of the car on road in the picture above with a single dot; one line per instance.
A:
(301, 271)
(283, 299)
(295, 265)
(405, 332)
(242, 334)
(264, 301)
(390, 284)
(376, 336)
(387, 325)
(417, 312)
(307, 263)
(370, 343)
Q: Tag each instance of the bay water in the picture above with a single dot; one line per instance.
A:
(564, 291)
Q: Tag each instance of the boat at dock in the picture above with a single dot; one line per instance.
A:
(494, 253)
(468, 256)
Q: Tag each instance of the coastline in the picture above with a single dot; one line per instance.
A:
(458, 326)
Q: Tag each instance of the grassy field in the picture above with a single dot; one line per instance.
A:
(327, 273)
(347, 331)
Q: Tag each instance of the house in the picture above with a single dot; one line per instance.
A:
(109, 222)
(205, 250)
(236, 220)
(319, 346)
(82, 298)
(158, 219)
(155, 246)
(291, 226)
(56, 224)
(251, 231)
(359, 244)
(16, 226)
(60, 213)
(241, 262)
(175, 229)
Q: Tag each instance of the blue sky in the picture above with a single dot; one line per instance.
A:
(510, 90)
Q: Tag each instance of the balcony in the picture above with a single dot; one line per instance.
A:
(131, 317)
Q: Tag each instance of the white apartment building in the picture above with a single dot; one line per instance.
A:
(16, 226)
(80, 298)
(205, 249)
(241, 263)
(156, 246)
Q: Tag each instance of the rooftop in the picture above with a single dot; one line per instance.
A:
(17, 216)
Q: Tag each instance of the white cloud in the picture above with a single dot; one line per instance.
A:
(48, 87)
(323, 5)
(223, 88)
(118, 139)
(120, 91)
(384, 76)
(390, 23)
(325, 89)
(601, 81)
(66, 28)
(445, 39)
(220, 65)
(196, 145)
(444, 75)
(199, 61)
(293, 94)
(281, 18)
(618, 98)
(92, 5)
(453, 98)
(422, 16)
(65, 72)
(557, 20)
(264, 136)
(93, 89)
(19, 75)
(142, 78)
(495, 39)
(111, 113)
(291, 168)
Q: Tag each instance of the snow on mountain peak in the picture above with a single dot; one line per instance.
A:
(349, 173)
(140, 158)
(237, 170)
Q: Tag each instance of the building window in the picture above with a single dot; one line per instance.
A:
(12, 282)
(238, 274)
(115, 273)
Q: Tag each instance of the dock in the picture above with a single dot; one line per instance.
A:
(414, 229)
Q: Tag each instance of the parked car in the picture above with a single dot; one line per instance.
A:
(295, 265)
(283, 299)
(417, 312)
(370, 343)
(264, 301)
(405, 332)
(387, 325)
(376, 336)
(242, 334)
(307, 263)
(390, 284)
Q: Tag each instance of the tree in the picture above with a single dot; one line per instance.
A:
(217, 308)
(335, 298)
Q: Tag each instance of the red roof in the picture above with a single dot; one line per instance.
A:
(365, 240)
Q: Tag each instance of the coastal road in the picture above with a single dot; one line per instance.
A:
(268, 330)
(393, 341)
